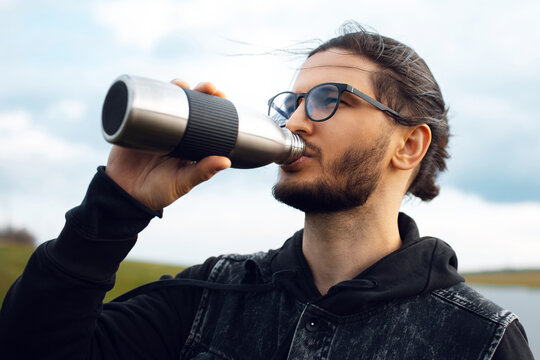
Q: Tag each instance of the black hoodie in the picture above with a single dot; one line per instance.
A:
(421, 265)
(55, 311)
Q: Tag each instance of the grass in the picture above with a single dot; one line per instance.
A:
(131, 274)
(134, 273)
(529, 278)
(13, 259)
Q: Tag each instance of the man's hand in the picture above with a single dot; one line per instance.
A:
(157, 180)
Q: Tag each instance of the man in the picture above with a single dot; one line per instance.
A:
(356, 283)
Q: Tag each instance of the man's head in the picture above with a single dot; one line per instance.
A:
(349, 154)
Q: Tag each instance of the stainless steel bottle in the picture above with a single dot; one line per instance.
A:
(164, 118)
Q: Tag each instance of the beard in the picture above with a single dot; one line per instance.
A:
(345, 184)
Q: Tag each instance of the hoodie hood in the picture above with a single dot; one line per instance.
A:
(419, 266)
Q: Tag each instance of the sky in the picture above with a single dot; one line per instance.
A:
(58, 59)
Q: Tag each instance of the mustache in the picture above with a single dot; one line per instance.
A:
(311, 149)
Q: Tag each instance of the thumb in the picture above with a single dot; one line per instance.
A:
(204, 170)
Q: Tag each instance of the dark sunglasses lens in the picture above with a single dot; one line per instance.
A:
(322, 101)
(281, 108)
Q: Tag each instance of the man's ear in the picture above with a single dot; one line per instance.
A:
(414, 145)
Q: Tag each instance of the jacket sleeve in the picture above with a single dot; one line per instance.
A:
(514, 344)
(54, 309)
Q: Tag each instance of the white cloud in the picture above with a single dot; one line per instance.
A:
(67, 110)
(485, 235)
(143, 24)
(139, 22)
(451, 35)
(21, 139)
(464, 36)
(42, 175)
(4, 4)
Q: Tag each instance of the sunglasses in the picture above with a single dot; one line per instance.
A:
(321, 103)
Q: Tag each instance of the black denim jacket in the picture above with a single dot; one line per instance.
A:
(266, 323)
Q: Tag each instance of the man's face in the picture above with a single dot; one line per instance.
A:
(346, 154)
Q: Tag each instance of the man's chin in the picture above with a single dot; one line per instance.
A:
(316, 197)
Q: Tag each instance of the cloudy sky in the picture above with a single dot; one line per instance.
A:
(58, 59)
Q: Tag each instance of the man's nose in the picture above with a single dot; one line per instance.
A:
(299, 122)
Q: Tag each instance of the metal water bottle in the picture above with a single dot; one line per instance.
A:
(164, 118)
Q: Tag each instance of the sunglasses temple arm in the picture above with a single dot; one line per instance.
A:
(377, 104)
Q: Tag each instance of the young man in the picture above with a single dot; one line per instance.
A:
(356, 283)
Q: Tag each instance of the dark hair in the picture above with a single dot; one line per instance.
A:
(406, 85)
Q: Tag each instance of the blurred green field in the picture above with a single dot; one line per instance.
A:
(530, 278)
(131, 274)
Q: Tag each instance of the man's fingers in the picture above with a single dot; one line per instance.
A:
(220, 94)
(180, 83)
(209, 88)
(205, 87)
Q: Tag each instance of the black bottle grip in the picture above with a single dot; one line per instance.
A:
(212, 128)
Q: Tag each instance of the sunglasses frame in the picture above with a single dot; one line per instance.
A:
(341, 88)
